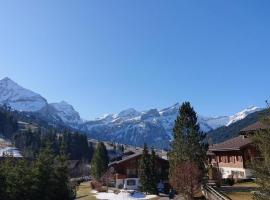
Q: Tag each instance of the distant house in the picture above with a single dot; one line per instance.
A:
(232, 156)
(126, 171)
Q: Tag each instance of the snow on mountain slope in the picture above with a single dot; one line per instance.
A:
(19, 98)
(130, 126)
(241, 115)
(67, 113)
(153, 126)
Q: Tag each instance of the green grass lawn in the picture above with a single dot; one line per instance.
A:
(84, 192)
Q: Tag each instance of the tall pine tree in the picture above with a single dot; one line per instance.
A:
(61, 189)
(100, 161)
(153, 173)
(189, 144)
(261, 167)
(144, 170)
(44, 169)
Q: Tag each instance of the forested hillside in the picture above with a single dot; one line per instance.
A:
(30, 141)
(8, 123)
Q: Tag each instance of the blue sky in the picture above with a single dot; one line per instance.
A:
(105, 56)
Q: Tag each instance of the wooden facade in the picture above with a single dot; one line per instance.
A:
(232, 157)
(126, 170)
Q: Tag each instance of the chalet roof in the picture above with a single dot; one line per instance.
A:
(136, 154)
(126, 158)
(255, 127)
(233, 144)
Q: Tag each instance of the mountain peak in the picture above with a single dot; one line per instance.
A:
(66, 112)
(130, 112)
(19, 98)
(7, 82)
(242, 114)
(6, 79)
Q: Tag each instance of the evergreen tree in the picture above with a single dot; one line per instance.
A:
(153, 174)
(43, 182)
(261, 168)
(100, 161)
(145, 171)
(189, 142)
(17, 179)
(61, 189)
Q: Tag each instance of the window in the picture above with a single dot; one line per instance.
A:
(131, 172)
(131, 182)
(231, 159)
(239, 158)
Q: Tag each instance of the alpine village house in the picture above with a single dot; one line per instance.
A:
(125, 171)
(232, 156)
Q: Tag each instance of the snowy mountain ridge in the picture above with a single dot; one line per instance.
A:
(19, 98)
(153, 126)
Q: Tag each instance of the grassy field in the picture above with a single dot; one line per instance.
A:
(83, 192)
(240, 195)
(241, 191)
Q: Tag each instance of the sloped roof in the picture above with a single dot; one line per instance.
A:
(255, 127)
(236, 143)
(125, 158)
(136, 154)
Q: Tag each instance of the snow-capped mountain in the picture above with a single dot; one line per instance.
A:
(67, 113)
(153, 126)
(241, 115)
(19, 98)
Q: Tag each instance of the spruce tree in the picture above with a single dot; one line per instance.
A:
(261, 167)
(145, 171)
(43, 182)
(153, 174)
(100, 161)
(61, 189)
(189, 142)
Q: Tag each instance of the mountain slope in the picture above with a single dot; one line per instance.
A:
(67, 113)
(19, 98)
(226, 132)
(153, 127)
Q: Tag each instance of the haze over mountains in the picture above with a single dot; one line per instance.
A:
(153, 126)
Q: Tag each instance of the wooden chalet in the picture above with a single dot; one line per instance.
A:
(126, 171)
(232, 156)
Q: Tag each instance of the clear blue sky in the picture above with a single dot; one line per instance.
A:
(105, 56)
